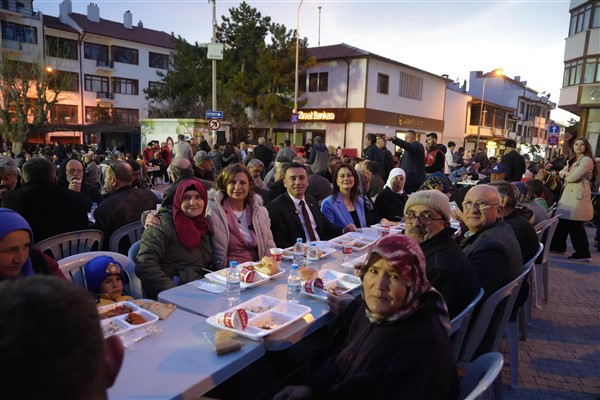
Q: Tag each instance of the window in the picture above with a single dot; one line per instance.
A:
(124, 55)
(592, 70)
(125, 86)
(318, 82)
(156, 86)
(573, 71)
(93, 51)
(95, 83)
(97, 114)
(580, 19)
(158, 60)
(411, 86)
(596, 20)
(19, 33)
(62, 113)
(128, 115)
(302, 82)
(61, 47)
(63, 81)
(383, 83)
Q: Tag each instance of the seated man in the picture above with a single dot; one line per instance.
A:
(427, 217)
(51, 342)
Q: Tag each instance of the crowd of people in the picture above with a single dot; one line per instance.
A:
(236, 203)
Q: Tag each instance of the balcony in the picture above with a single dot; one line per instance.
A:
(105, 97)
(107, 66)
(12, 47)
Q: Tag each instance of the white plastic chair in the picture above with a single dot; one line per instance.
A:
(72, 268)
(541, 269)
(70, 243)
(480, 375)
(132, 231)
(460, 325)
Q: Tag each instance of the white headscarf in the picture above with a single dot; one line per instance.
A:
(394, 173)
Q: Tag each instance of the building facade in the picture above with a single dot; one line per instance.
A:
(580, 93)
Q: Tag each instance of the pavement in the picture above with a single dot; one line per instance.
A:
(561, 357)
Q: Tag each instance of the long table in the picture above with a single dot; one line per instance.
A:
(179, 363)
(189, 298)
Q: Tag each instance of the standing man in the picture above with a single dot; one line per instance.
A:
(263, 153)
(435, 159)
(319, 155)
(388, 158)
(295, 214)
(374, 153)
(514, 163)
(183, 148)
(286, 150)
(449, 165)
(413, 160)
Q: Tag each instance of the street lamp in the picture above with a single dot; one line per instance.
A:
(296, 80)
(496, 72)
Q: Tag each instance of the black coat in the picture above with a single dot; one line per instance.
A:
(413, 163)
(409, 358)
(450, 271)
(515, 166)
(49, 208)
(286, 225)
(390, 205)
(264, 154)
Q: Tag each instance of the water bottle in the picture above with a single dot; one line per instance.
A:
(312, 256)
(233, 282)
(298, 252)
(293, 285)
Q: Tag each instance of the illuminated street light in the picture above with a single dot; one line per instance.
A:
(496, 72)
(296, 80)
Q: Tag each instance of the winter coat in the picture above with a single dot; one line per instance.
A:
(319, 156)
(576, 200)
(390, 205)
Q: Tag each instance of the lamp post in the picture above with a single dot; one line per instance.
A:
(214, 65)
(296, 76)
(496, 72)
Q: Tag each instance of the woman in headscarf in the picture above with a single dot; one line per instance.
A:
(176, 251)
(398, 344)
(389, 204)
(17, 257)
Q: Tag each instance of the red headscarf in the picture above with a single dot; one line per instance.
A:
(190, 230)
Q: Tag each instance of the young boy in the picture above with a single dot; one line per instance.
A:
(104, 278)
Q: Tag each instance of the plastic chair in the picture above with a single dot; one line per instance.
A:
(460, 325)
(504, 297)
(480, 375)
(72, 268)
(132, 231)
(541, 270)
(70, 243)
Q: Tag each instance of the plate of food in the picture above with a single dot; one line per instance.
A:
(360, 240)
(123, 316)
(352, 264)
(329, 281)
(258, 317)
(253, 273)
(323, 248)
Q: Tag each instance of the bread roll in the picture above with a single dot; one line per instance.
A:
(267, 266)
(307, 273)
(225, 343)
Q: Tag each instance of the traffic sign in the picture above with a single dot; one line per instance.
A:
(553, 140)
(214, 114)
(567, 136)
(294, 118)
(214, 124)
(554, 129)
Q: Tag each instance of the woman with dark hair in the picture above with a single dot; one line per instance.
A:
(398, 344)
(241, 224)
(345, 206)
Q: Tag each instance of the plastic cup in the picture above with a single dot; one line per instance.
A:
(276, 253)
(384, 230)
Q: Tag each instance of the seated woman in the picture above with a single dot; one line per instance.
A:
(178, 249)
(345, 206)
(398, 345)
(241, 225)
(389, 205)
(17, 258)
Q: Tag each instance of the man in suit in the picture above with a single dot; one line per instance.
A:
(295, 214)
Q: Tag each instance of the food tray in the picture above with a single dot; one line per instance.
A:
(331, 279)
(220, 276)
(350, 265)
(263, 310)
(118, 324)
(325, 247)
(361, 240)
(398, 227)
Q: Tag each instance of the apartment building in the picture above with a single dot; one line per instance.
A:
(110, 63)
(580, 93)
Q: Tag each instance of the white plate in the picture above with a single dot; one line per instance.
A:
(119, 323)
(220, 276)
(332, 279)
(273, 311)
(352, 263)
(325, 247)
(398, 227)
(361, 241)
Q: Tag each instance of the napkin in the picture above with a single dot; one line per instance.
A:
(208, 286)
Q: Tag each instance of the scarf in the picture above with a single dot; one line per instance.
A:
(394, 173)
(238, 248)
(11, 221)
(190, 230)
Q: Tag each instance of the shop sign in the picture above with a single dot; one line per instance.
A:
(406, 121)
(316, 116)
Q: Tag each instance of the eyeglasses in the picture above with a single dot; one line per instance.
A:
(480, 204)
(424, 219)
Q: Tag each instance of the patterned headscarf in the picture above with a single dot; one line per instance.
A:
(394, 173)
(405, 255)
(190, 230)
(437, 181)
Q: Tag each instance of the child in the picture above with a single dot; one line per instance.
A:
(104, 278)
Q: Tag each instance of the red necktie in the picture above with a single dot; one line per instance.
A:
(307, 222)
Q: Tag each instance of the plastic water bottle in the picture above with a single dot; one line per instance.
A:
(312, 256)
(293, 285)
(298, 252)
(233, 282)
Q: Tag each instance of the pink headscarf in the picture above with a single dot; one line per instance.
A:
(190, 230)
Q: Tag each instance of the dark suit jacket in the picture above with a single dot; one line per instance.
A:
(286, 225)
(515, 166)
(49, 208)
(413, 163)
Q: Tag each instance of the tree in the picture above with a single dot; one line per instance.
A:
(28, 92)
